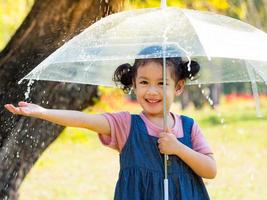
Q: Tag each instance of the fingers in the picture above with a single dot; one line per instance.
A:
(16, 110)
(164, 133)
(167, 130)
(23, 103)
(162, 139)
(162, 146)
(165, 137)
(11, 108)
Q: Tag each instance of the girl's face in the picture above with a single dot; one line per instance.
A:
(148, 88)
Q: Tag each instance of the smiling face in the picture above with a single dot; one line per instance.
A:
(148, 88)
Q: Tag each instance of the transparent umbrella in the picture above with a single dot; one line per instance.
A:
(227, 49)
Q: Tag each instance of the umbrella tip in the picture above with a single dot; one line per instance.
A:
(163, 4)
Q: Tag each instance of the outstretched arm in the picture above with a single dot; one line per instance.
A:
(94, 122)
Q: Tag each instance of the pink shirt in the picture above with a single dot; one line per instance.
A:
(120, 124)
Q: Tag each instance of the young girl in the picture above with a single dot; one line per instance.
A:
(140, 139)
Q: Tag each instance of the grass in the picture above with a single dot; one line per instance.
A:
(76, 166)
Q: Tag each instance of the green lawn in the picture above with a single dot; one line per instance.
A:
(76, 166)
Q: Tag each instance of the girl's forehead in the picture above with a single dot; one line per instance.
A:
(152, 67)
(152, 70)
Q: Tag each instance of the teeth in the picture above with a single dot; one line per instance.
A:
(152, 101)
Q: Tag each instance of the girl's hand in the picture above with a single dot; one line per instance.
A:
(168, 143)
(26, 109)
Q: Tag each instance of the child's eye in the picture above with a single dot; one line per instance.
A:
(161, 83)
(143, 82)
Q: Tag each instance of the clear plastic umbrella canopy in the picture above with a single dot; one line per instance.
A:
(227, 49)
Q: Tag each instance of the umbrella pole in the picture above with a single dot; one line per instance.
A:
(254, 89)
(166, 187)
(163, 3)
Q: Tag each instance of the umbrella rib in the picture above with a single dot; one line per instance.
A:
(260, 73)
(127, 44)
(121, 38)
(197, 35)
(254, 88)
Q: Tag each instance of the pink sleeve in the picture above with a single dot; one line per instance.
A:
(199, 142)
(120, 124)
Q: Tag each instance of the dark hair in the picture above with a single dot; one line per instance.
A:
(125, 74)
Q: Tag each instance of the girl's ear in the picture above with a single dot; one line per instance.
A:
(179, 87)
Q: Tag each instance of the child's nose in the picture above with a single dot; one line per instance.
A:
(152, 90)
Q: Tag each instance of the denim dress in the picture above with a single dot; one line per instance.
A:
(142, 168)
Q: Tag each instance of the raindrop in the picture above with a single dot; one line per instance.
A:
(27, 93)
(210, 101)
(189, 66)
(131, 91)
(15, 174)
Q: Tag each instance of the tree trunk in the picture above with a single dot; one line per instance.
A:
(48, 25)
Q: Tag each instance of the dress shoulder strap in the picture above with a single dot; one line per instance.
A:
(187, 123)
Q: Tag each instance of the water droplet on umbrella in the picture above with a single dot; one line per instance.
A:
(27, 93)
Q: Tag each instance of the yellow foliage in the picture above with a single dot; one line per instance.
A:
(12, 14)
(214, 5)
(153, 4)
(241, 10)
(219, 4)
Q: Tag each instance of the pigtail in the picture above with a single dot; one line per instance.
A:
(189, 70)
(123, 76)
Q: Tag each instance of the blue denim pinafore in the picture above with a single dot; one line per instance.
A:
(142, 168)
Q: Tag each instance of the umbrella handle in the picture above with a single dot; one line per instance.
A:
(166, 189)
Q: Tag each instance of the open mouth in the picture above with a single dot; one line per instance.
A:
(153, 100)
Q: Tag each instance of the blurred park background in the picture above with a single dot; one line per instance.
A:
(74, 165)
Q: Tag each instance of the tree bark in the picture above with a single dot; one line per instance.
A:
(48, 25)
